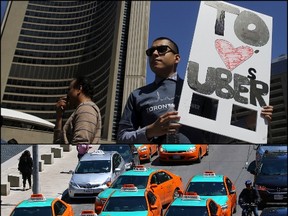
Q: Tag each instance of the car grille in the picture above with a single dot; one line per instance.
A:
(277, 189)
(172, 152)
(89, 185)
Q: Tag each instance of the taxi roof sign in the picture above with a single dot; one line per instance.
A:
(209, 174)
(88, 213)
(129, 187)
(140, 168)
(191, 196)
(37, 197)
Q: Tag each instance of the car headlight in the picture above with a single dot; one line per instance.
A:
(192, 149)
(73, 184)
(225, 206)
(107, 181)
(143, 148)
(163, 150)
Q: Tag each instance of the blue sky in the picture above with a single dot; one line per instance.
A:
(177, 20)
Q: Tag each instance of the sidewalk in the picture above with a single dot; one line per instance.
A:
(53, 179)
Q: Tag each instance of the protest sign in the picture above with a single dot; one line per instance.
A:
(229, 63)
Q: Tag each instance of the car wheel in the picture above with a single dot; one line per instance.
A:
(149, 158)
(235, 209)
(156, 152)
(176, 193)
(199, 156)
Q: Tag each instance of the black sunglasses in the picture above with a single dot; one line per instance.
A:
(160, 49)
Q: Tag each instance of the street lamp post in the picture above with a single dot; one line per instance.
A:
(36, 186)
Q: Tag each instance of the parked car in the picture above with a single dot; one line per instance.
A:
(270, 178)
(217, 187)
(94, 172)
(130, 200)
(146, 151)
(182, 152)
(269, 149)
(38, 204)
(127, 151)
(192, 204)
(163, 183)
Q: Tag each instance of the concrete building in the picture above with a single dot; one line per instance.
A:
(278, 98)
(44, 44)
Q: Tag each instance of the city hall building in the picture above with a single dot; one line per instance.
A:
(45, 44)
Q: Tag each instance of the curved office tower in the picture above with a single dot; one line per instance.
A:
(47, 43)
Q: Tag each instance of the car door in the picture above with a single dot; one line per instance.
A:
(117, 161)
(164, 186)
(59, 208)
(153, 201)
(231, 194)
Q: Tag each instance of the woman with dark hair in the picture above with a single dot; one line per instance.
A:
(83, 127)
(25, 166)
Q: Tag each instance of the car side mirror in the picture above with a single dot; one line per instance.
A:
(232, 191)
(135, 152)
(108, 184)
(252, 167)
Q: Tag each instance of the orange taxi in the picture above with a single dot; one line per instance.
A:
(190, 203)
(37, 204)
(146, 151)
(217, 187)
(162, 182)
(131, 200)
(182, 152)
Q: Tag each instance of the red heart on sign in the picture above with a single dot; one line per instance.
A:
(232, 57)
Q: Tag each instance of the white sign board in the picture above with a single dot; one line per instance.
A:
(229, 63)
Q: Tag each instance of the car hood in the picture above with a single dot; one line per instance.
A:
(138, 213)
(273, 180)
(93, 178)
(221, 200)
(177, 147)
(106, 193)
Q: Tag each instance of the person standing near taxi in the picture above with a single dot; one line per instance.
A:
(145, 118)
(83, 127)
(25, 166)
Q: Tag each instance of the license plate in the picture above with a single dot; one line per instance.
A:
(176, 157)
(278, 197)
(88, 191)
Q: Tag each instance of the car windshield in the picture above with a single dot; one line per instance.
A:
(139, 181)
(123, 150)
(207, 188)
(43, 211)
(96, 166)
(117, 204)
(186, 211)
(278, 168)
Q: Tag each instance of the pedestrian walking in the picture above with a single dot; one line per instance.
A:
(25, 166)
(83, 127)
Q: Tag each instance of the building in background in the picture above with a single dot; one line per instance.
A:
(277, 132)
(44, 44)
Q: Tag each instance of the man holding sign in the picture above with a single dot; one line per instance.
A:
(145, 118)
